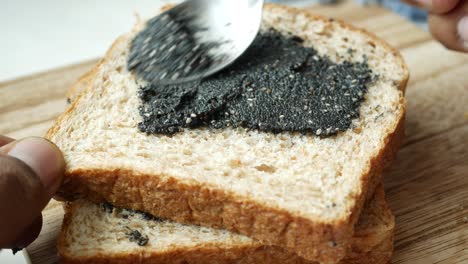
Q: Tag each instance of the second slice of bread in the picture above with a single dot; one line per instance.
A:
(300, 192)
(96, 234)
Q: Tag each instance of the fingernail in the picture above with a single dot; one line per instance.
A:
(462, 29)
(43, 158)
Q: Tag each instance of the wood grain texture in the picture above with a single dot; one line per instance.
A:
(394, 29)
(29, 105)
(43, 250)
(427, 187)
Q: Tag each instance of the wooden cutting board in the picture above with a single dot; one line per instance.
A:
(427, 187)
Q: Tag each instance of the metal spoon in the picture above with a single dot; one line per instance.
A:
(195, 39)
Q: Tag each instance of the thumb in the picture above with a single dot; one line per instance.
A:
(31, 171)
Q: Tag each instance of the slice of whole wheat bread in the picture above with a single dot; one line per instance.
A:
(300, 192)
(97, 234)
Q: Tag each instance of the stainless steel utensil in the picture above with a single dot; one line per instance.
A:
(223, 28)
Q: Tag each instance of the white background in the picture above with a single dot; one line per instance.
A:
(38, 35)
(6, 257)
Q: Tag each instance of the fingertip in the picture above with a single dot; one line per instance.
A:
(434, 6)
(449, 29)
(443, 6)
(44, 158)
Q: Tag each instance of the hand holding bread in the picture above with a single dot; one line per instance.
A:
(31, 171)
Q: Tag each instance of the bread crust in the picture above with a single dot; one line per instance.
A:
(272, 255)
(326, 242)
(81, 84)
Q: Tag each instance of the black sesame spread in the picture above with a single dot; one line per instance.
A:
(107, 207)
(149, 217)
(133, 235)
(277, 85)
(126, 213)
(137, 237)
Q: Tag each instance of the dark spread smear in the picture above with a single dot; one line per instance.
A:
(107, 207)
(133, 235)
(137, 237)
(126, 213)
(277, 85)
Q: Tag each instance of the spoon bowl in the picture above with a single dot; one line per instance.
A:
(195, 39)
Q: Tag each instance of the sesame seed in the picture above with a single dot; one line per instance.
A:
(175, 76)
